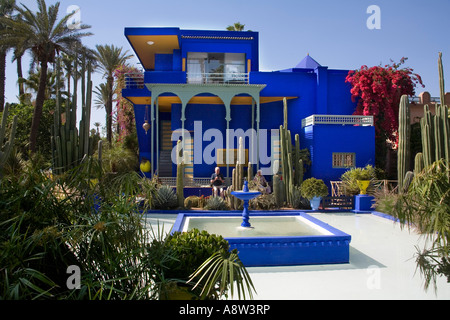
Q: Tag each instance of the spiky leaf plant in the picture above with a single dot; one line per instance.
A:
(216, 203)
(426, 206)
(165, 198)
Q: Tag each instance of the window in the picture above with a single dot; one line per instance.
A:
(204, 67)
(343, 160)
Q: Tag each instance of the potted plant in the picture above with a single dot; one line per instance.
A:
(363, 182)
(363, 178)
(314, 189)
(357, 180)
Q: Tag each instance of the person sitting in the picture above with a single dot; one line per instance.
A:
(261, 183)
(217, 182)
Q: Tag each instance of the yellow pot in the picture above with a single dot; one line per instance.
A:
(145, 166)
(363, 185)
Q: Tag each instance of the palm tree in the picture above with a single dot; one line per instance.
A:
(237, 26)
(6, 8)
(32, 83)
(109, 59)
(46, 37)
(97, 125)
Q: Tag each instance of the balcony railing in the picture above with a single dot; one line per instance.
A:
(191, 182)
(337, 119)
(134, 80)
(219, 78)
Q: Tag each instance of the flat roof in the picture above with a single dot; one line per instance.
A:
(148, 41)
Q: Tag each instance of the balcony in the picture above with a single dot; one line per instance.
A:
(217, 78)
(337, 119)
(137, 80)
(134, 80)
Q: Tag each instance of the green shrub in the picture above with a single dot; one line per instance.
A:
(349, 179)
(202, 265)
(118, 158)
(426, 206)
(313, 187)
(191, 249)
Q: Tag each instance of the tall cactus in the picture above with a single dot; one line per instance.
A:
(5, 149)
(418, 163)
(404, 138)
(180, 175)
(70, 144)
(436, 128)
(277, 188)
(291, 163)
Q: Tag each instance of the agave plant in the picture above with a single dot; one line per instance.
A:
(165, 198)
(216, 203)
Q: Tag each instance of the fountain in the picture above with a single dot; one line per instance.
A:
(245, 195)
(275, 239)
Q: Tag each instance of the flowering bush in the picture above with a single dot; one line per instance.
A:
(125, 111)
(379, 90)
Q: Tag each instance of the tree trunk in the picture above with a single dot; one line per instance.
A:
(20, 76)
(69, 75)
(2, 78)
(109, 81)
(40, 98)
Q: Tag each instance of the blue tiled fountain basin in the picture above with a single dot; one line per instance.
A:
(276, 239)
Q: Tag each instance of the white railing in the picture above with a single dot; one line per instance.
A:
(134, 80)
(220, 78)
(190, 182)
(338, 189)
(337, 119)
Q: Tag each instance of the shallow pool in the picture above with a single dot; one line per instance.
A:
(276, 239)
(229, 227)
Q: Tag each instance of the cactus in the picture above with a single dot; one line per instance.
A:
(435, 128)
(298, 163)
(180, 175)
(404, 137)
(407, 181)
(70, 145)
(249, 172)
(277, 191)
(291, 162)
(418, 163)
(5, 150)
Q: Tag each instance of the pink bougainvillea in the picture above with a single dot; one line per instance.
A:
(124, 108)
(379, 90)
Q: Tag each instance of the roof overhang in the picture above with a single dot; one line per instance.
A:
(165, 102)
(147, 42)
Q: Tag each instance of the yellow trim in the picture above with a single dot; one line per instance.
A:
(249, 65)
(183, 66)
(165, 103)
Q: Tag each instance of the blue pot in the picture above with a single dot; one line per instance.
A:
(315, 203)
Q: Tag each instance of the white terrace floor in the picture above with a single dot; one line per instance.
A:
(382, 265)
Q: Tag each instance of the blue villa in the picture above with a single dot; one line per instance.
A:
(205, 88)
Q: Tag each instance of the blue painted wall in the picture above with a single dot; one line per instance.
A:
(317, 91)
(323, 140)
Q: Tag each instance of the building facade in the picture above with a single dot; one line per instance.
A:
(205, 88)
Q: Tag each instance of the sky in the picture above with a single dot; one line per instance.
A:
(333, 32)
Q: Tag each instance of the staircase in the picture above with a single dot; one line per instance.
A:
(165, 161)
